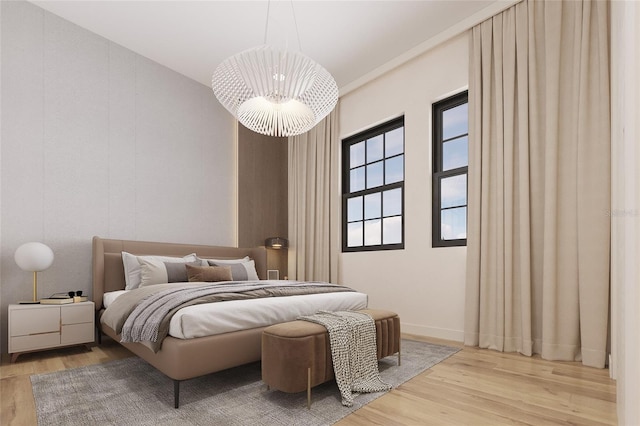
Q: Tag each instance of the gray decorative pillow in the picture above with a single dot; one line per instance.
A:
(245, 271)
(177, 272)
(223, 261)
(154, 271)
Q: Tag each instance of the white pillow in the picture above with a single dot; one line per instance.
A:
(131, 264)
(206, 262)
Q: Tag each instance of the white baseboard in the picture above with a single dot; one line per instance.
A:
(612, 368)
(439, 333)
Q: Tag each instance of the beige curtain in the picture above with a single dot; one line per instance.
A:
(314, 202)
(539, 182)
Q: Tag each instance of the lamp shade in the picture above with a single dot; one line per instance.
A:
(33, 257)
(275, 92)
(276, 243)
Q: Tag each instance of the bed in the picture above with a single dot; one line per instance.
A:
(183, 358)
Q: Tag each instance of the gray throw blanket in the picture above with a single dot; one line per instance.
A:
(143, 315)
(352, 336)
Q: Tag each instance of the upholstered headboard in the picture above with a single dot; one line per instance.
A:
(108, 269)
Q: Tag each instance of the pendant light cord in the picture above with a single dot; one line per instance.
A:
(266, 24)
(295, 23)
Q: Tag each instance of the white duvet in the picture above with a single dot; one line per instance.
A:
(223, 317)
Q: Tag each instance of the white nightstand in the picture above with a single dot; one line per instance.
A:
(38, 327)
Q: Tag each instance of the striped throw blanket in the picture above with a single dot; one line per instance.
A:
(352, 336)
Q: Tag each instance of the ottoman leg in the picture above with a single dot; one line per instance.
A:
(309, 388)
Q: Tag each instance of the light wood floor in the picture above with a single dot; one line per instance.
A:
(472, 387)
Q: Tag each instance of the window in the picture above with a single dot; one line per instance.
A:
(450, 163)
(373, 189)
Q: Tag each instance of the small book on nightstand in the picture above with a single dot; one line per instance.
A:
(78, 299)
(56, 301)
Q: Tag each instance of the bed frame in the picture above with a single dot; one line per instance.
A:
(179, 359)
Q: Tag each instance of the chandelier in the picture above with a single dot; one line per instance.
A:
(275, 92)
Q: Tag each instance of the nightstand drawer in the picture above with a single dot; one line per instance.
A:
(34, 321)
(77, 313)
(33, 342)
(77, 333)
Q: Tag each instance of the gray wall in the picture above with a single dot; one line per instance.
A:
(97, 140)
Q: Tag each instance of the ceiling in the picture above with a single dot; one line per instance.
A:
(354, 40)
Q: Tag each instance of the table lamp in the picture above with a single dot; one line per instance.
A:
(33, 257)
(276, 243)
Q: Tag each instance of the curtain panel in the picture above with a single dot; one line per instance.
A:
(540, 182)
(314, 202)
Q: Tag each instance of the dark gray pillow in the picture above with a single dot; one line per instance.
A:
(177, 272)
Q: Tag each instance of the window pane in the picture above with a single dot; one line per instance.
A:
(374, 149)
(453, 191)
(372, 206)
(453, 224)
(372, 232)
(392, 230)
(354, 209)
(356, 155)
(392, 202)
(354, 234)
(455, 121)
(455, 153)
(356, 180)
(394, 169)
(393, 142)
(374, 174)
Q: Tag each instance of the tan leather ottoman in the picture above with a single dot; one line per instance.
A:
(296, 355)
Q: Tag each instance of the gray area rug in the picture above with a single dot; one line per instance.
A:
(131, 392)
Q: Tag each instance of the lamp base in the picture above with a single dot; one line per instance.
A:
(28, 302)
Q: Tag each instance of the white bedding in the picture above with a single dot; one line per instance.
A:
(223, 317)
(110, 296)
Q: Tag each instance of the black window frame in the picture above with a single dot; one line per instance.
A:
(438, 109)
(381, 129)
